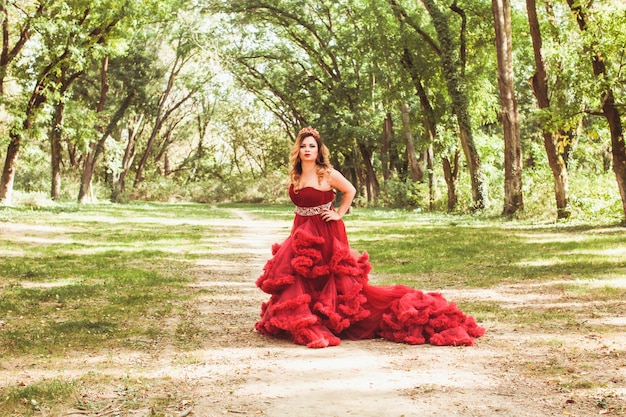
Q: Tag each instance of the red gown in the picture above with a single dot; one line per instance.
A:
(320, 292)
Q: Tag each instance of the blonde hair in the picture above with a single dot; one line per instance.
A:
(322, 163)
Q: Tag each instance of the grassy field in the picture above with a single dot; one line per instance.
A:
(85, 280)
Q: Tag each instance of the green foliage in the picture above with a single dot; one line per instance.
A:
(406, 195)
(35, 175)
(593, 197)
(258, 71)
(79, 125)
(271, 189)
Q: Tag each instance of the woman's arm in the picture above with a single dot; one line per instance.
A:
(339, 182)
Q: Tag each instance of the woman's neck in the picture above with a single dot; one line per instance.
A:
(309, 167)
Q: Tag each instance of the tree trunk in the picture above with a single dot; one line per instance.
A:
(452, 67)
(97, 148)
(167, 169)
(8, 53)
(479, 192)
(370, 176)
(384, 149)
(119, 184)
(451, 175)
(10, 164)
(618, 149)
(146, 153)
(609, 108)
(539, 82)
(13, 150)
(416, 172)
(513, 197)
(430, 164)
(161, 115)
(56, 131)
(55, 150)
(161, 118)
(428, 120)
(85, 194)
(73, 154)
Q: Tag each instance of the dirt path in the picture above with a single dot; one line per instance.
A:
(245, 373)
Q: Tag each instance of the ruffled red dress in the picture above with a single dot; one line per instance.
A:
(320, 292)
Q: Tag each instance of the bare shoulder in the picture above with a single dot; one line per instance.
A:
(332, 172)
(338, 181)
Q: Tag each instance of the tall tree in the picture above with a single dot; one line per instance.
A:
(610, 109)
(65, 81)
(134, 78)
(556, 153)
(414, 167)
(452, 57)
(96, 147)
(513, 198)
(16, 135)
(385, 145)
(171, 98)
(18, 30)
(317, 65)
(118, 182)
(27, 111)
(452, 63)
(71, 37)
(429, 118)
(430, 125)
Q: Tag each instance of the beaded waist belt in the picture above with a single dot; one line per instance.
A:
(312, 211)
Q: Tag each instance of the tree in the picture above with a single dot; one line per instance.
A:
(68, 39)
(452, 64)
(96, 148)
(65, 81)
(16, 135)
(118, 181)
(136, 74)
(452, 59)
(513, 199)
(429, 119)
(21, 34)
(169, 102)
(416, 171)
(314, 70)
(608, 105)
(556, 151)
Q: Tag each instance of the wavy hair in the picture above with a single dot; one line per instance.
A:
(322, 162)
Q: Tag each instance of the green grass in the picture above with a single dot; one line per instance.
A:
(445, 251)
(94, 276)
(29, 398)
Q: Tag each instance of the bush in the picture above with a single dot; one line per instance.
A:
(269, 189)
(33, 172)
(592, 196)
(408, 195)
(160, 189)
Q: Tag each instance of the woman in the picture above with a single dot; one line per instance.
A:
(319, 286)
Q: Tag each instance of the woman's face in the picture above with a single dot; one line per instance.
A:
(308, 149)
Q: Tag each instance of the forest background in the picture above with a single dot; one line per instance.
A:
(506, 108)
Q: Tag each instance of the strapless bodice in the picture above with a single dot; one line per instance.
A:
(310, 197)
